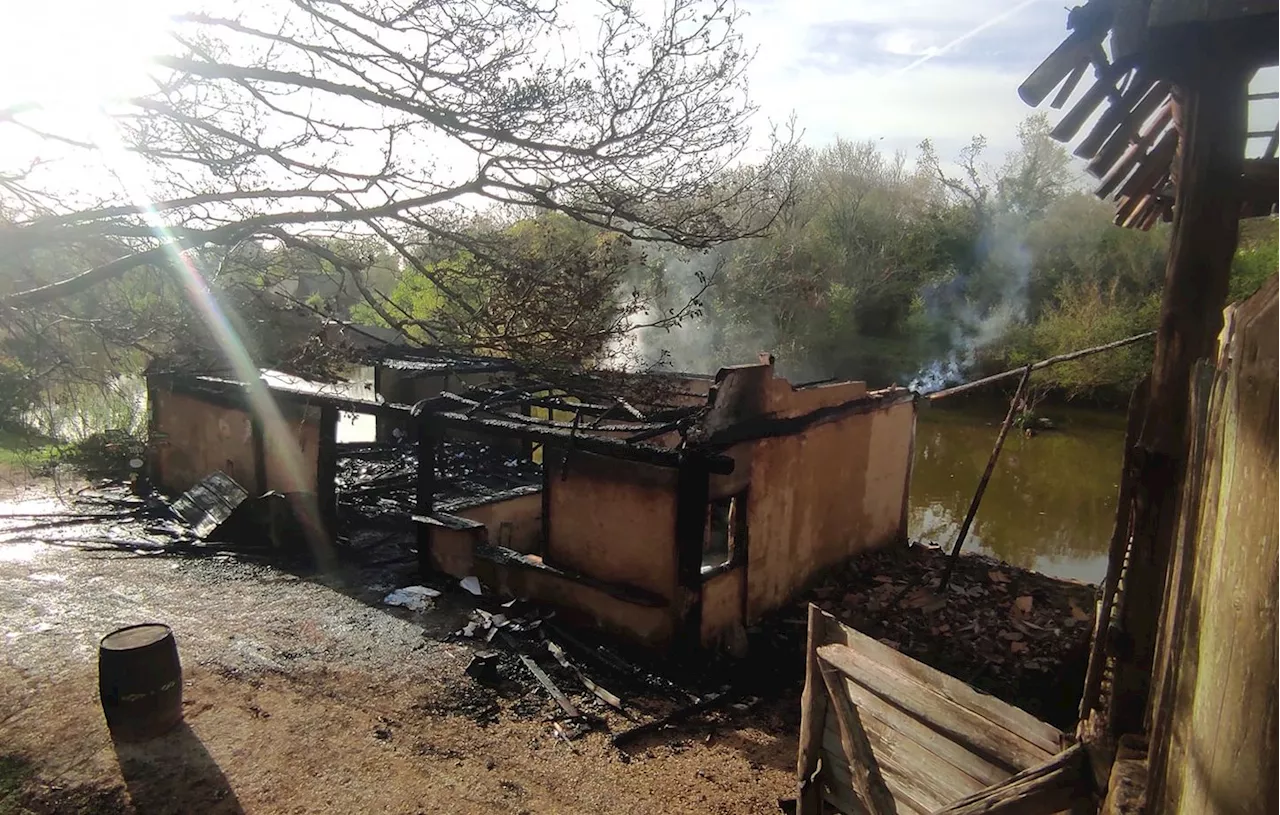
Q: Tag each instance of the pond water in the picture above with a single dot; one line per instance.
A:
(1050, 503)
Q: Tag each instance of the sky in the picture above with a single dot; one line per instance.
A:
(838, 65)
(901, 70)
(892, 70)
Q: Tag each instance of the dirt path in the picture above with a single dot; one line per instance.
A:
(302, 698)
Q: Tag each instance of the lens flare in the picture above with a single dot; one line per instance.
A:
(285, 464)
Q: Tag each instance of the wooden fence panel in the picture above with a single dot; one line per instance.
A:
(883, 733)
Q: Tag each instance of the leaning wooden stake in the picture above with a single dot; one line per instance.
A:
(1036, 366)
(986, 476)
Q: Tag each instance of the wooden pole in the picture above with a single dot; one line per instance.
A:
(813, 718)
(1212, 123)
(1115, 555)
(1044, 363)
(426, 438)
(986, 476)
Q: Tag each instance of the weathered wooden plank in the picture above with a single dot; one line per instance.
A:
(1044, 736)
(903, 738)
(838, 786)
(813, 712)
(918, 773)
(867, 782)
(1217, 715)
(945, 715)
(1052, 786)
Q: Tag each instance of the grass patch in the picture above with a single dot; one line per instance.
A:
(20, 447)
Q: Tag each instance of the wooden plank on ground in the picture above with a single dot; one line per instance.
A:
(1043, 735)
(947, 716)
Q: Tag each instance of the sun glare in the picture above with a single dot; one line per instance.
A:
(77, 54)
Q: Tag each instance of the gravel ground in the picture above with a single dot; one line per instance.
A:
(307, 695)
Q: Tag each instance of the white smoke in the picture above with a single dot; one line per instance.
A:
(972, 329)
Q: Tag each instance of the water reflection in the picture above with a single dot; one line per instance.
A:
(1050, 503)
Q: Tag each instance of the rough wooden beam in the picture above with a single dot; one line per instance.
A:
(867, 781)
(1119, 546)
(1135, 130)
(1125, 116)
(813, 716)
(1070, 124)
(1205, 234)
(1072, 53)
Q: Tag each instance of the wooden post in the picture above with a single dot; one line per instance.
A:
(327, 468)
(813, 719)
(693, 487)
(424, 504)
(1209, 162)
(986, 476)
(260, 475)
(1115, 555)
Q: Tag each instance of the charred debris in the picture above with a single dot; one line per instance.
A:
(632, 553)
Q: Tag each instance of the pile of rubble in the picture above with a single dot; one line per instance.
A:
(1016, 634)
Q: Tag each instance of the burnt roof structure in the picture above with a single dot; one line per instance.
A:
(1139, 50)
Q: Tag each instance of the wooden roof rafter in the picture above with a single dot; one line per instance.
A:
(1133, 143)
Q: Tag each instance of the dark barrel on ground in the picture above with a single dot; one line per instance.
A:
(140, 680)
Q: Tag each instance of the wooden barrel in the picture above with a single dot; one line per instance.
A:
(140, 681)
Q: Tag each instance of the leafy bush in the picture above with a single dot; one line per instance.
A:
(16, 392)
(105, 454)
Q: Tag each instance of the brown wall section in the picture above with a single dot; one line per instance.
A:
(515, 523)
(722, 606)
(193, 438)
(614, 521)
(304, 440)
(823, 495)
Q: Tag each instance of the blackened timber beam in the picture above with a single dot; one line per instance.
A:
(473, 407)
(327, 466)
(427, 438)
(765, 427)
(693, 494)
(565, 438)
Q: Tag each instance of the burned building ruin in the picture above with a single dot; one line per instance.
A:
(671, 510)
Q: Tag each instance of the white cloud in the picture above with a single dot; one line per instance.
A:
(835, 65)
